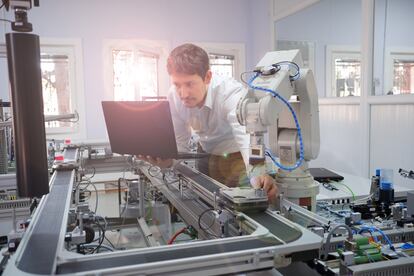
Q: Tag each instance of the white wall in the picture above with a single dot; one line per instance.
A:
(399, 20)
(342, 121)
(328, 22)
(340, 138)
(392, 135)
(174, 21)
(260, 37)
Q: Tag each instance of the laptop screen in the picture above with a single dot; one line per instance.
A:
(140, 127)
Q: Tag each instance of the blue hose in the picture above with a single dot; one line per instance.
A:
(277, 95)
(373, 229)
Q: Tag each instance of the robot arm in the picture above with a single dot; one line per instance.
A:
(282, 101)
(261, 112)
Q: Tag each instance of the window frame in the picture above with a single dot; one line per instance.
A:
(233, 59)
(72, 47)
(332, 52)
(390, 55)
(159, 48)
(232, 49)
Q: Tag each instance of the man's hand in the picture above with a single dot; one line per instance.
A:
(267, 183)
(162, 163)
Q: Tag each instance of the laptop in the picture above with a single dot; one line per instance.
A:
(323, 175)
(143, 128)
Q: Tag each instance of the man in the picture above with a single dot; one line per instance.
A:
(207, 104)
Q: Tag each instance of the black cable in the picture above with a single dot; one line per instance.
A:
(104, 229)
(244, 73)
(292, 77)
(102, 239)
(277, 66)
(99, 236)
(329, 186)
(113, 246)
(33, 206)
(153, 175)
(6, 20)
(207, 228)
(93, 174)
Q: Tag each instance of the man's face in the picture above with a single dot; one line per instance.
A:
(191, 89)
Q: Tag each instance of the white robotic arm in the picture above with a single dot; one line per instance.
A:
(280, 82)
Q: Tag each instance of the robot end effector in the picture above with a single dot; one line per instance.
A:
(293, 131)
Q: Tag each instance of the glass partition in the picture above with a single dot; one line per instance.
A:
(393, 48)
(328, 34)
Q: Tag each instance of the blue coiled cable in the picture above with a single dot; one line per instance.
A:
(277, 95)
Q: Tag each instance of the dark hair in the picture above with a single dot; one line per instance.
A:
(188, 59)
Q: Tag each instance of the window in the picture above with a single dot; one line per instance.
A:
(62, 85)
(226, 59)
(400, 72)
(4, 77)
(56, 87)
(135, 69)
(347, 74)
(403, 76)
(222, 65)
(343, 72)
(135, 75)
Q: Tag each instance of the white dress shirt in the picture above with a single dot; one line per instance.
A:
(215, 122)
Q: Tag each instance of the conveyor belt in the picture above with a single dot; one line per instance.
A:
(277, 228)
(167, 255)
(199, 178)
(281, 230)
(40, 251)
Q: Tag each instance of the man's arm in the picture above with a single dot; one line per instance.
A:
(181, 127)
(263, 181)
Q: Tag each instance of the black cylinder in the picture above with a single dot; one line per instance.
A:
(23, 57)
(386, 196)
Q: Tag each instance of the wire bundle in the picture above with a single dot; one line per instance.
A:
(372, 229)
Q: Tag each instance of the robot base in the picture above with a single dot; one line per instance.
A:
(299, 189)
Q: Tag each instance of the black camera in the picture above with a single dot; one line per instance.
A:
(20, 8)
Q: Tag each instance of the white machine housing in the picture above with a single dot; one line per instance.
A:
(262, 113)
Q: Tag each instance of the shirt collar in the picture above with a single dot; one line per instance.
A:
(209, 97)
